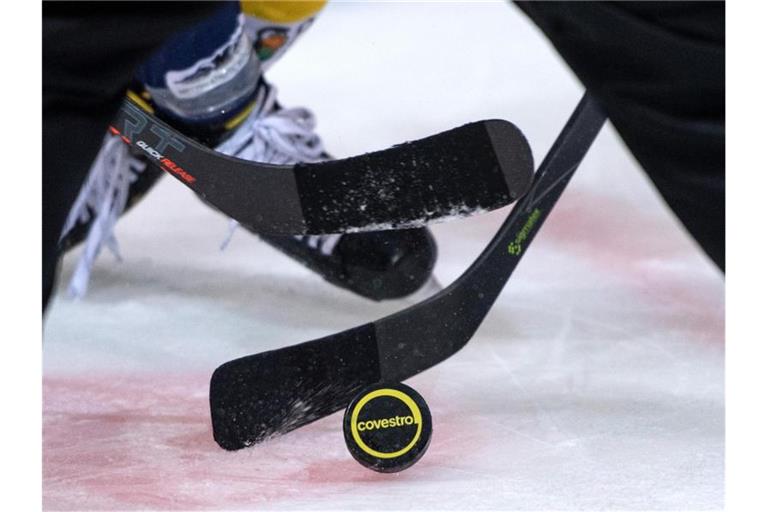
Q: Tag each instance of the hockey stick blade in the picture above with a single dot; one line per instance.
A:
(477, 167)
(267, 394)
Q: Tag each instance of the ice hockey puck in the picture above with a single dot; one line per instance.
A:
(387, 427)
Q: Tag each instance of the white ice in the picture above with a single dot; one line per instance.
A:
(596, 382)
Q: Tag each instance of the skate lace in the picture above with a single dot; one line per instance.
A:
(102, 197)
(282, 136)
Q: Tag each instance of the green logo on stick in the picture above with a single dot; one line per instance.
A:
(515, 247)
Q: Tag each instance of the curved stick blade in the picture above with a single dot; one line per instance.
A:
(256, 397)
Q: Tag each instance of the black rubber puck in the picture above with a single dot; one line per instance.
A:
(387, 427)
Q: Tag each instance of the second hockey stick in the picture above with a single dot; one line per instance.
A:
(477, 167)
(267, 394)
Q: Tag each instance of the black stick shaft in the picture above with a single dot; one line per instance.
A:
(441, 330)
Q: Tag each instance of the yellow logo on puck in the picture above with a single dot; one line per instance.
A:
(415, 418)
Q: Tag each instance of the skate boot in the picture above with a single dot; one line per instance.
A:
(378, 265)
(116, 181)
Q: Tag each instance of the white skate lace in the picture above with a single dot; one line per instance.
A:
(103, 196)
(282, 137)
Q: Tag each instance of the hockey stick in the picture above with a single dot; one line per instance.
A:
(271, 393)
(477, 167)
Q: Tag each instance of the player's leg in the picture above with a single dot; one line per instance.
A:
(90, 52)
(658, 68)
(116, 179)
(209, 83)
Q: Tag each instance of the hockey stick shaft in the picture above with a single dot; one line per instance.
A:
(475, 291)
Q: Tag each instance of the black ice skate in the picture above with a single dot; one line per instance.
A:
(376, 265)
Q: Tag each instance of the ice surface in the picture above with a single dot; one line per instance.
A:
(595, 383)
